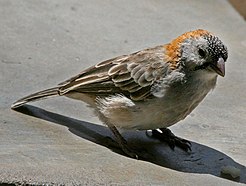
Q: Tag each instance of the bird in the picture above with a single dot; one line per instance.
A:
(151, 89)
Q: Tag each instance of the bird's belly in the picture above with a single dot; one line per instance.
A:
(158, 112)
(157, 116)
(161, 112)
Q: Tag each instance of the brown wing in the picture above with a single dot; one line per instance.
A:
(131, 75)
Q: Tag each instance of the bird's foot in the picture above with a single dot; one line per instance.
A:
(128, 151)
(164, 134)
(123, 143)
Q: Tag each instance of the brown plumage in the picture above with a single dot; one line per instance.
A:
(150, 89)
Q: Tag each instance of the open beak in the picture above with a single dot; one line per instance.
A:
(219, 67)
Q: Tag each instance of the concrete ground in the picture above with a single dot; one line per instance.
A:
(59, 141)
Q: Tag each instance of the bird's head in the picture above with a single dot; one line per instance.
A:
(198, 50)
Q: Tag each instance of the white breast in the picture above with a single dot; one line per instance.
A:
(176, 102)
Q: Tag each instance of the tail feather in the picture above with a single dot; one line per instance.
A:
(36, 96)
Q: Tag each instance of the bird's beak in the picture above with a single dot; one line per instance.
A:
(219, 67)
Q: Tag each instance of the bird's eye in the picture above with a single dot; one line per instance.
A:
(201, 52)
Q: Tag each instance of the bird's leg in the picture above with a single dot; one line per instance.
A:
(164, 134)
(119, 139)
(122, 142)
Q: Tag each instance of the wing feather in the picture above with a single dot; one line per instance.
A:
(131, 75)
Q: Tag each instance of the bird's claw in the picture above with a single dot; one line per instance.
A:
(130, 153)
(173, 141)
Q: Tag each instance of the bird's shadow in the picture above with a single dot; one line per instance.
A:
(202, 159)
